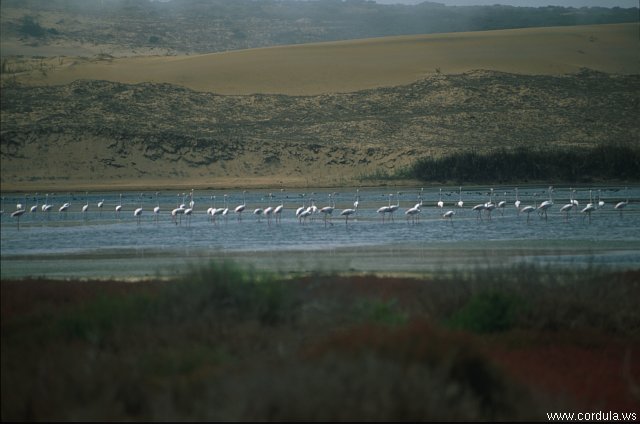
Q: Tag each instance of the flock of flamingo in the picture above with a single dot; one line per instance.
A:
(308, 210)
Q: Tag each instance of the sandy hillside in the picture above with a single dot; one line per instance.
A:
(362, 64)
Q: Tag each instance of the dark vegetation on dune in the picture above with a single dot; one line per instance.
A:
(579, 165)
(385, 128)
(228, 344)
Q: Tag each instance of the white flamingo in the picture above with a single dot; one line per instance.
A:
(177, 212)
(449, 215)
(567, 207)
(277, 212)
(517, 202)
(34, 208)
(138, 212)
(600, 201)
(348, 212)
(440, 203)
(17, 214)
(85, 207)
(268, 211)
(490, 206)
(413, 213)
(327, 211)
(502, 204)
(383, 210)
(240, 208)
(460, 203)
(119, 207)
(100, 205)
(621, 205)
(156, 209)
(529, 209)
(394, 208)
(64, 208)
(546, 205)
(590, 207)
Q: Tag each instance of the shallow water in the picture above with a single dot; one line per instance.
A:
(100, 243)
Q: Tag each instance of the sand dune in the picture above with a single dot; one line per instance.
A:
(361, 64)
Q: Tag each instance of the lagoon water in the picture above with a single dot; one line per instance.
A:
(100, 244)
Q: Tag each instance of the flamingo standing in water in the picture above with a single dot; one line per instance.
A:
(85, 207)
(546, 205)
(517, 202)
(138, 212)
(348, 212)
(449, 215)
(176, 214)
(100, 205)
(413, 213)
(383, 210)
(47, 207)
(460, 203)
(589, 208)
(119, 207)
(156, 209)
(567, 207)
(240, 208)
(621, 205)
(34, 208)
(277, 212)
(394, 208)
(440, 203)
(529, 209)
(17, 214)
(327, 211)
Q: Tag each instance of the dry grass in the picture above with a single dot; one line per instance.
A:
(348, 66)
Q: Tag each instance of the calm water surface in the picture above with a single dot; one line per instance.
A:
(102, 243)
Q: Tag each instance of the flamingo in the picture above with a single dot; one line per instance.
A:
(327, 211)
(621, 205)
(100, 205)
(490, 206)
(394, 208)
(156, 209)
(567, 207)
(47, 207)
(216, 211)
(177, 212)
(269, 209)
(382, 210)
(529, 209)
(258, 213)
(479, 208)
(277, 212)
(589, 208)
(240, 208)
(449, 215)
(600, 202)
(440, 203)
(189, 211)
(34, 208)
(65, 207)
(138, 212)
(460, 203)
(305, 214)
(517, 202)
(301, 208)
(412, 213)
(119, 207)
(17, 214)
(85, 207)
(544, 206)
(502, 204)
(225, 211)
(348, 212)
(211, 210)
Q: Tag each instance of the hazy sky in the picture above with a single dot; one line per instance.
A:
(531, 3)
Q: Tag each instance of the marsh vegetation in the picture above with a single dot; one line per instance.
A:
(226, 343)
